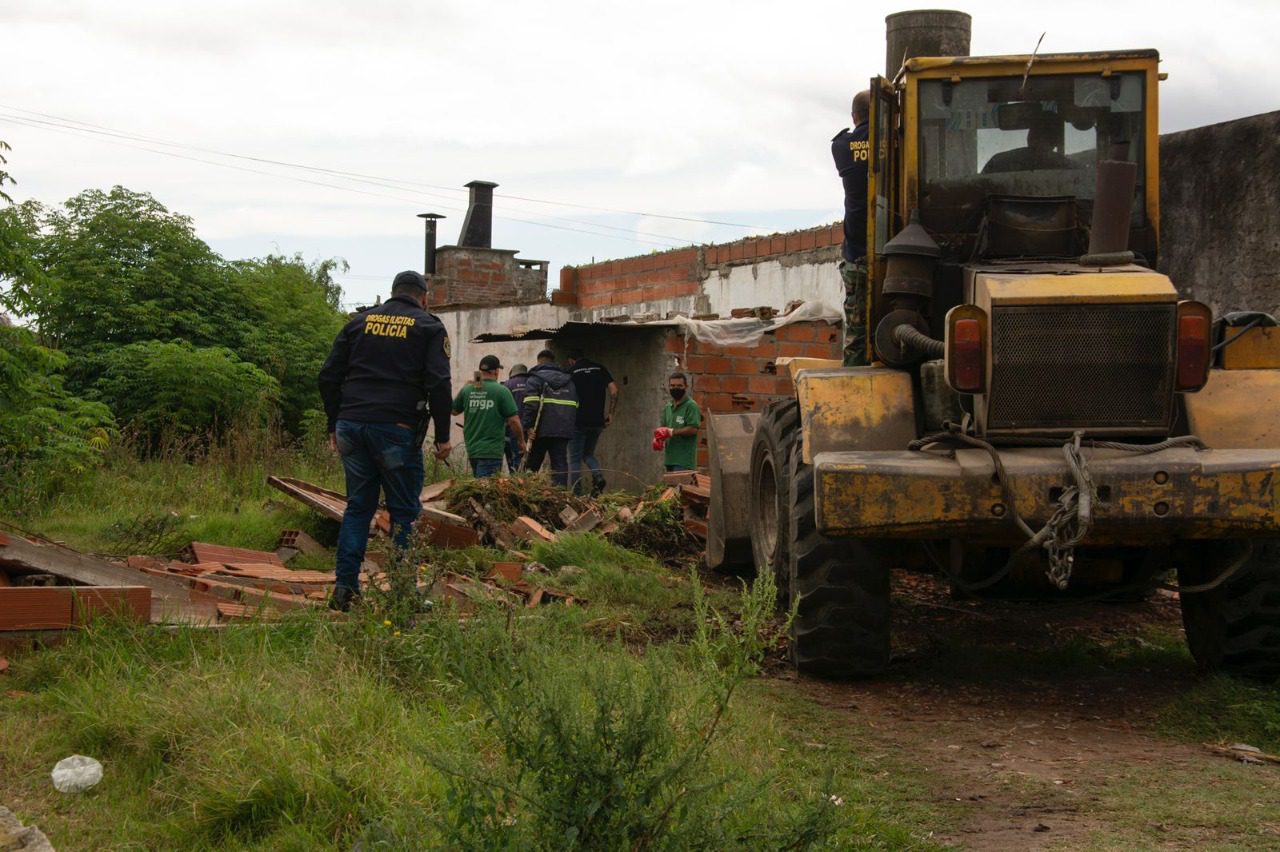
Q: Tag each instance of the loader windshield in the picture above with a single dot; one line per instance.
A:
(999, 136)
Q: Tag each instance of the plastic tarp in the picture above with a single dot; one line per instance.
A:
(749, 330)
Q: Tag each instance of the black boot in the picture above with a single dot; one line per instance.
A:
(343, 598)
(597, 486)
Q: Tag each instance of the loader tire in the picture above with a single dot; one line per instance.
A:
(1234, 628)
(841, 626)
(776, 434)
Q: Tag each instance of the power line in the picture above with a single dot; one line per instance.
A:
(368, 177)
(119, 140)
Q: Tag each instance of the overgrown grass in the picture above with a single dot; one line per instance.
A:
(183, 492)
(487, 732)
(1226, 710)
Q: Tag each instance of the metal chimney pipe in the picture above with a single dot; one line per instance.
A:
(924, 32)
(429, 252)
(477, 228)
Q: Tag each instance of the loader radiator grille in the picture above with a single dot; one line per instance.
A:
(1066, 367)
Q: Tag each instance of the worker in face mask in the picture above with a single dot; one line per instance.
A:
(678, 434)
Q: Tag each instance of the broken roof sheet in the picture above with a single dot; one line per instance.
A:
(723, 332)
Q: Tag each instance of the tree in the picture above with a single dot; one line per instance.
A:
(174, 388)
(4, 176)
(116, 268)
(295, 316)
(46, 434)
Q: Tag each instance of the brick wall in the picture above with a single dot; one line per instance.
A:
(680, 272)
(479, 276)
(728, 379)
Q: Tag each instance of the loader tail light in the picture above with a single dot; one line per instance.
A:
(1194, 323)
(966, 349)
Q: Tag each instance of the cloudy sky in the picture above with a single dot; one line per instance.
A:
(613, 129)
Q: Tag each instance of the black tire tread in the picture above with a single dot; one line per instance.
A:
(1235, 628)
(841, 627)
(776, 433)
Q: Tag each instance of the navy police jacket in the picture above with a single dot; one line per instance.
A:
(550, 389)
(383, 363)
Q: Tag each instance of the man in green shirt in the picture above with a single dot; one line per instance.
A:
(488, 410)
(679, 430)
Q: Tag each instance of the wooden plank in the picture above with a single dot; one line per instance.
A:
(679, 477)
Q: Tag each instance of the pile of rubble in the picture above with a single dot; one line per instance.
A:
(47, 586)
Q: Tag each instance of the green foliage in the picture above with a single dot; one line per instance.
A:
(1223, 709)
(118, 268)
(614, 756)
(47, 435)
(292, 320)
(108, 270)
(4, 176)
(175, 388)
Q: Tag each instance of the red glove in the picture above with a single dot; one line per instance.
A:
(660, 436)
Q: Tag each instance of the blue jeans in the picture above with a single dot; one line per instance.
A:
(375, 456)
(482, 468)
(513, 454)
(582, 448)
(555, 448)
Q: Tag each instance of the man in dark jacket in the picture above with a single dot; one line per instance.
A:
(851, 152)
(516, 382)
(594, 383)
(550, 415)
(388, 372)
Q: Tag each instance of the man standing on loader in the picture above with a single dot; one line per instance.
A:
(851, 151)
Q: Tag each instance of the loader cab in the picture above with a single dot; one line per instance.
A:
(1000, 156)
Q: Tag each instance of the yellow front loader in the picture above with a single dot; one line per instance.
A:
(1043, 412)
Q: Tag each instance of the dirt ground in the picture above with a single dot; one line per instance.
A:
(1039, 748)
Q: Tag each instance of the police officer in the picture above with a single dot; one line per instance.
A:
(385, 363)
(851, 150)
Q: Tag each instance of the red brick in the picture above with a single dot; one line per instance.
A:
(35, 608)
(717, 364)
(696, 363)
(707, 382)
(568, 278)
(745, 366)
(792, 349)
(821, 350)
(675, 344)
(736, 250)
(734, 384)
(778, 245)
(761, 384)
(130, 602)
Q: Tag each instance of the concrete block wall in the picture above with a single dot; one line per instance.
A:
(1220, 213)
